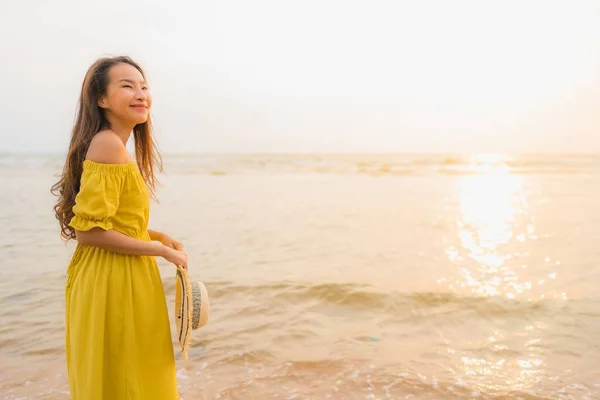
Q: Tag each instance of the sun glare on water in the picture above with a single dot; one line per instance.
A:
(492, 220)
(493, 229)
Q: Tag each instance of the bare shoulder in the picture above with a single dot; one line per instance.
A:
(107, 148)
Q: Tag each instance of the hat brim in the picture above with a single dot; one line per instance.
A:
(183, 310)
(191, 308)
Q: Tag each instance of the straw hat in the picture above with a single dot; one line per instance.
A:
(191, 308)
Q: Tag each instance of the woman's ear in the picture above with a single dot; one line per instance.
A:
(102, 102)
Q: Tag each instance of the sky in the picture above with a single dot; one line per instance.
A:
(265, 76)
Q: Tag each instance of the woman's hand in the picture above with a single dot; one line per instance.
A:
(166, 240)
(170, 242)
(177, 257)
(172, 250)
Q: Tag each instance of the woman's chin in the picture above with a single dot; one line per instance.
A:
(139, 119)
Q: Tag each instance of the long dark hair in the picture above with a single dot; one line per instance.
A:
(90, 120)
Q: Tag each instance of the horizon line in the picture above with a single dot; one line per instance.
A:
(324, 153)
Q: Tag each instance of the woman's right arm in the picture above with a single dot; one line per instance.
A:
(120, 243)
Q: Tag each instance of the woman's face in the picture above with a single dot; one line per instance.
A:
(127, 96)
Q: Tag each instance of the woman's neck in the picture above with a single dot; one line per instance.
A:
(120, 127)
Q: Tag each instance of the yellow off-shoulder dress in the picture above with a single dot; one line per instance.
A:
(118, 338)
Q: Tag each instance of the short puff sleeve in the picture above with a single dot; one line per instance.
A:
(98, 198)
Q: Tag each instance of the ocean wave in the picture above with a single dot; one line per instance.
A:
(364, 297)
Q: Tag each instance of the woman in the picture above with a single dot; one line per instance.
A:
(118, 338)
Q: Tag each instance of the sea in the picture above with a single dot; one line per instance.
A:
(342, 276)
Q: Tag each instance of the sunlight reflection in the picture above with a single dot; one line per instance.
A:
(491, 204)
(493, 225)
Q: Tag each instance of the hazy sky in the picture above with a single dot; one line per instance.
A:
(325, 76)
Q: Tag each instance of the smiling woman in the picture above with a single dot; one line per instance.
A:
(118, 340)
